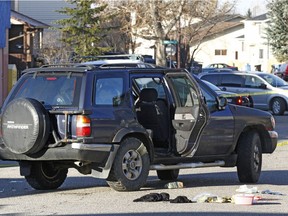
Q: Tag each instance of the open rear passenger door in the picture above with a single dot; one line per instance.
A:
(191, 113)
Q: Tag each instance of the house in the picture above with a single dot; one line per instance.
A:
(238, 43)
(256, 46)
(25, 39)
(222, 43)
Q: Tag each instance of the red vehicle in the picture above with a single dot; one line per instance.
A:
(221, 65)
(284, 71)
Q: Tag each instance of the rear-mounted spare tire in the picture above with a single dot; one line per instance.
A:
(25, 126)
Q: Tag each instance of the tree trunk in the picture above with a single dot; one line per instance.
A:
(160, 53)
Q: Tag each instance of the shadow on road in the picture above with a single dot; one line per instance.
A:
(275, 177)
(202, 213)
(19, 187)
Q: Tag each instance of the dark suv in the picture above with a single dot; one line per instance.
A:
(118, 124)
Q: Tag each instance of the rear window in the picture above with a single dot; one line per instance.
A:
(50, 89)
(212, 78)
(232, 80)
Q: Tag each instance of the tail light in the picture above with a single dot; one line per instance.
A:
(83, 126)
(239, 101)
(286, 70)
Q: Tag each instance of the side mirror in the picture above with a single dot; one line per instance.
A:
(222, 102)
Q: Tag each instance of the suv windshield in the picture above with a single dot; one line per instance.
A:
(50, 89)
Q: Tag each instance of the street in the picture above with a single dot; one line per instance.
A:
(85, 195)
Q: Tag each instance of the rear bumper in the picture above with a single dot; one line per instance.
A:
(96, 153)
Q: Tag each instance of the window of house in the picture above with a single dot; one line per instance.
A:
(261, 53)
(236, 55)
(221, 52)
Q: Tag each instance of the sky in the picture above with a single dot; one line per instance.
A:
(257, 7)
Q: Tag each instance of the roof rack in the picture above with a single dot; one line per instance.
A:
(55, 68)
(58, 65)
(120, 56)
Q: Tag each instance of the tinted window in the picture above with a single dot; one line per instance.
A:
(184, 91)
(273, 80)
(213, 78)
(211, 86)
(232, 80)
(253, 82)
(109, 91)
(55, 89)
(209, 97)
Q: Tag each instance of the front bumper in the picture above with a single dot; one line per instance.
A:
(274, 139)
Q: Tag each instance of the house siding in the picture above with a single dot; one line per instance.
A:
(227, 40)
(42, 10)
(255, 40)
(248, 40)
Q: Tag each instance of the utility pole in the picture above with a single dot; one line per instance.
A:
(179, 45)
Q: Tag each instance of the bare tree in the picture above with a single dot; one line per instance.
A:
(209, 18)
(117, 40)
(53, 51)
(159, 20)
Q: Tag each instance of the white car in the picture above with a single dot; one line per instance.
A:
(117, 63)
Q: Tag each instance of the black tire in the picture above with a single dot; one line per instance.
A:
(45, 176)
(168, 174)
(249, 161)
(25, 125)
(130, 167)
(278, 106)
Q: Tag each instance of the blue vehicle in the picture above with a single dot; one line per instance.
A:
(119, 123)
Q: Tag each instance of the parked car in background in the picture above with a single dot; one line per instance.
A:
(195, 67)
(111, 57)
(283, 71)
(221, 66)
(117, 63)
(213, 70)
(149, 59)
(269, 92)
(232, 97)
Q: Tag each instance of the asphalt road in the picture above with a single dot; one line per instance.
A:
(85, 195)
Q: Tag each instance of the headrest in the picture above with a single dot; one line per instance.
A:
(148, 94)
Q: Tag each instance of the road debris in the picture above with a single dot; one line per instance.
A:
(174, 185)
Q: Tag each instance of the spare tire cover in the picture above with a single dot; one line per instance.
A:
(25, 126)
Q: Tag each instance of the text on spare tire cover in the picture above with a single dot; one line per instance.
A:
(12, 125)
